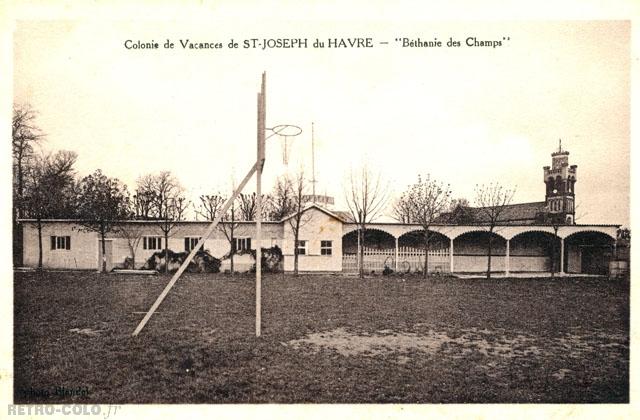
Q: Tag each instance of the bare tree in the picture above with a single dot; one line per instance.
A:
(281, 199)
(243, 208)
(142, 203)
(168, 205)
(24, 136)
(248, 205)
(366, 196)
(555, 221)
(228, 226)
(132, 233)
(492, 201)
(427, 199)
(401, 210)
(210, 206)
(298, 217)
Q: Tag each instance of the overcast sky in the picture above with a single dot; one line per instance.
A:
(465, 115)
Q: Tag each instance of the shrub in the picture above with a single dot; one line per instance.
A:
(271, 260)
(203, 262)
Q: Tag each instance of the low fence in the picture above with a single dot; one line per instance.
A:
(409, 260)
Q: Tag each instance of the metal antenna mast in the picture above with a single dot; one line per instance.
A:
(313, 164)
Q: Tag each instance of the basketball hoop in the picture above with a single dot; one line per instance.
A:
(286, 132)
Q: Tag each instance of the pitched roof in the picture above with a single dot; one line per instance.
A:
(519, 213)
(344, 216)
(316, 206)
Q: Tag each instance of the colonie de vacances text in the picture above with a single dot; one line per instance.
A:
(284, 43)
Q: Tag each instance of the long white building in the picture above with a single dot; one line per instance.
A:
(522, 243)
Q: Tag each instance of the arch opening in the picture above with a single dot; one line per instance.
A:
(535, 252)
(471, 252)
(414, 255)
(588, 252)
(379, 248)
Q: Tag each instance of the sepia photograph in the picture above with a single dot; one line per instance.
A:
(311, 211)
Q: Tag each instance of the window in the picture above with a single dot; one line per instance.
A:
(325, 247)
(190, 243)
(302, 247)
(61, 242)
(243, 244)
(151, 242)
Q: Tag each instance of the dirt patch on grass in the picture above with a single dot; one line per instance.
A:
(465, 342)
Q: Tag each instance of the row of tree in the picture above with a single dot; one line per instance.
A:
(46, 187)
(428, 202)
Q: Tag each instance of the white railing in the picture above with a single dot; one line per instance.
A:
(409, 259)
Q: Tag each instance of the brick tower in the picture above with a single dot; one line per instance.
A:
(560, 180)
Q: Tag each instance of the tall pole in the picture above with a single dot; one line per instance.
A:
(261, 158)
(313, 164)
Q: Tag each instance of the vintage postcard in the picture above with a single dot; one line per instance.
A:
(240, 212)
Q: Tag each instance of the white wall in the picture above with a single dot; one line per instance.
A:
(82, 255)
(318, 226)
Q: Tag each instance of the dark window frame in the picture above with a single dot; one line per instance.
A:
(302, 246)
(60, 243)
(147, 242)
(326, 247)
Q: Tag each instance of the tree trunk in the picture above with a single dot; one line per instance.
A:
(18, 213)
(104, 252)
(39, 244)
(18, 239)
(295, 251)
(233, 247)
(166, 251)
(361, 268)
(233, 251)
(489, 254)
(426, 255)
(20, 186)
(553, 257)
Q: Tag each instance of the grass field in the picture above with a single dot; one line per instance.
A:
(325, 339)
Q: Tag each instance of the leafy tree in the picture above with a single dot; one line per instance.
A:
(457, 203)
(426, 200)
(49, 190)
(492, 201)
(102, 203)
